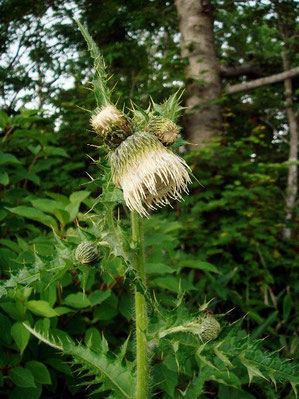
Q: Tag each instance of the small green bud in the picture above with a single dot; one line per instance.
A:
(163, 128)
(86, 252)
(209, 328)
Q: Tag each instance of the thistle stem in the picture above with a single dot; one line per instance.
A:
(140, 309)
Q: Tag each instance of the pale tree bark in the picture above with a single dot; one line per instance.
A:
(292, 185)
(203, 115)
(286, 23)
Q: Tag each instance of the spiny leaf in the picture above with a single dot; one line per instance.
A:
(257, 362)
(253, 371)
(192, 328)
(110, 373)
(44, 338)
(140, 116)
(196, 388)
(222, 356)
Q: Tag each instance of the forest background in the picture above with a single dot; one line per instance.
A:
(234, 238)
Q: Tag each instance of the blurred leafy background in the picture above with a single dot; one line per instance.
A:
(224, 241)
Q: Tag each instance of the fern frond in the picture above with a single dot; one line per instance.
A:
(106, 371)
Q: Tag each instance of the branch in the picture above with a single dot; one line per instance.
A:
(253, 84)
(238, 70)
(17, 52)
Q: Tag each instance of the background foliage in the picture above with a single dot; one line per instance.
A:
(223, 242)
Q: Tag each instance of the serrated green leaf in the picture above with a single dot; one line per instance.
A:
(22, 377)
(20, 335)
(55, 151)
(34, 214)
(200, 265)
(5, 326)
(4, 178)
(222, 356)
(172, 283)
(8, 159)
(75, 200)
(98, 297)
(59, 364)
(39, 371)
(26, 393)
(77, 300)
(41, 308)
(196, 387)
(252, 370)
(93, 339)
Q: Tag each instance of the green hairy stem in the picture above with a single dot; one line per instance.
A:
(140, 309)
(101, 91)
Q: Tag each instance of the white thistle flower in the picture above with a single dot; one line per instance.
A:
(148, 173)
(111, 125)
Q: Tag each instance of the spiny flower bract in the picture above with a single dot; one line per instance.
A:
(148, 173)
(163, 128)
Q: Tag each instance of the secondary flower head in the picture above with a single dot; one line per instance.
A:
(111, 125)
(86, 252)
(166, 131)
(209, 328)
(148, 173)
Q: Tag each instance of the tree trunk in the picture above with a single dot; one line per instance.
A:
(287, 24)
(292, 185)
(203, 116)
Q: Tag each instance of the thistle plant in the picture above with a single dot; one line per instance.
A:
(194, 346)
(150, 176)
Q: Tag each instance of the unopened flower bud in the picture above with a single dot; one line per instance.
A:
(148, 173)
(209, 328)
(111, 125)
(166, 131)
(86, 252)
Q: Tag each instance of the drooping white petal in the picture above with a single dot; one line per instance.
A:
(148, 173)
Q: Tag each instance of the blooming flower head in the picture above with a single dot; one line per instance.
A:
(149, 174)
(111, 125)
